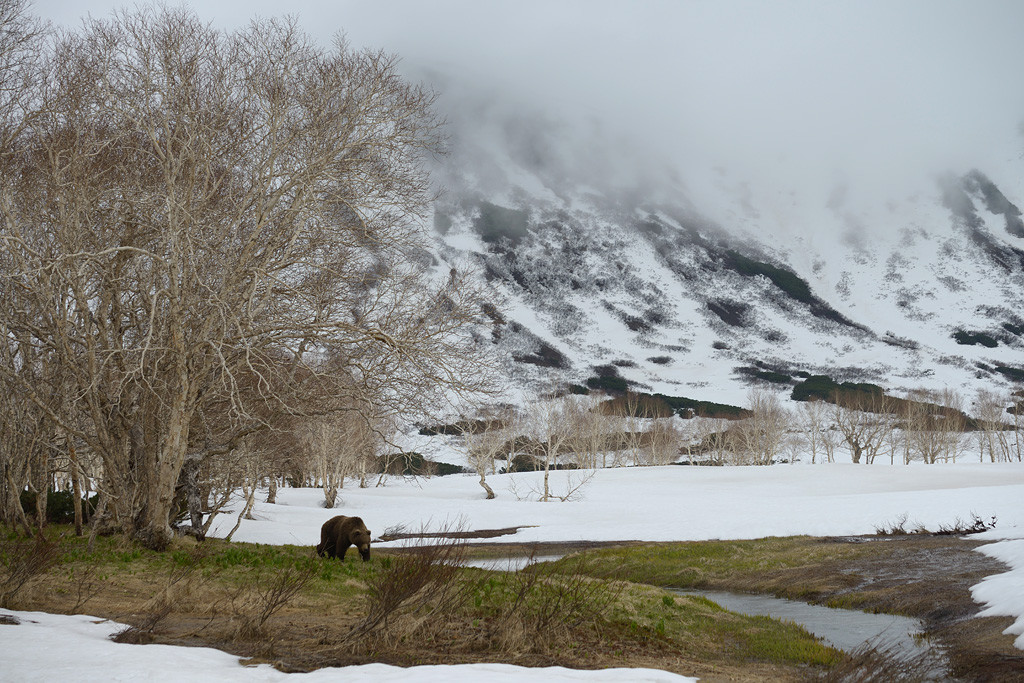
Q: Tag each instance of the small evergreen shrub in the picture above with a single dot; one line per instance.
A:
(60, 506)
(612, 385)
(823, 387)
(966, 338)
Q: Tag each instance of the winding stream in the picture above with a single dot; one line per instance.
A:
(844, 629)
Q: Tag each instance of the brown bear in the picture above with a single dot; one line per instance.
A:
(338, 533)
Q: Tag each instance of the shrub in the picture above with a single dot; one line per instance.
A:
(424, 583)
(612, 385)
(1015, 374)
(732, 313)
(823, 387)
(21, 560)
(688, 407)
(786, 280)
(60, 505)
(414, 464)
(766, 375)
(546, 356)
(966, 338)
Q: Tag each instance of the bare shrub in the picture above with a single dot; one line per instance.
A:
(537, 606)
(178, 582)
(22, 560)
(959, 527)
(85, 583)
(410, 589)
(265, 593)
(144, 632)
(899, 527)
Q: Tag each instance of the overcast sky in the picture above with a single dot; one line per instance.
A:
(876, 88)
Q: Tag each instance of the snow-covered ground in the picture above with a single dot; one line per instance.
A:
(643, 503)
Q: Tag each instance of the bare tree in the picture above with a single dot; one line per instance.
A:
(990, 416)
(549, 425)
(336, 444)
(487, 439)
(713, 438)
(863, 420)
(759, 439)
(935, 424)
(191, 218)
(816, 423)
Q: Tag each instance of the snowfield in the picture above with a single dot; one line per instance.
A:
(643, 503)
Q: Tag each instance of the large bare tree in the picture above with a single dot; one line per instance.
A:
(195, 222)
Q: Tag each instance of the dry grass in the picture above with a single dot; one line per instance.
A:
(419, 607)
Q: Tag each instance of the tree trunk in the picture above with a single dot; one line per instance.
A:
(76, 490)
(272, 493)
(483, 483)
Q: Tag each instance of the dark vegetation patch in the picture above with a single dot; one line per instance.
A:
(1014, 328)
(732, 313)
(765, 375)
(524, 462)
(624, 363)
(873, 399)
(497, 223)
(995, 201)
(687, 408)
(643, 404)
(60, 506)
(955, 197)
(637, 405)
(967, 338)
(824, 388)
(634, 323)
(610, 384)
(786, 280)
(789, 282)
(545, 356)
(492, 312)
(660, 360)
(720, 346)
(1015, 374)
(412, 464)
(902, 342)
(460, 427)
(578, 389)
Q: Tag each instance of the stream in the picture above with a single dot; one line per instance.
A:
(844, 629)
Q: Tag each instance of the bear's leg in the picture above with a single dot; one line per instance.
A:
(344, 549)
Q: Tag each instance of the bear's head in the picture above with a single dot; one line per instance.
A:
(361, 540)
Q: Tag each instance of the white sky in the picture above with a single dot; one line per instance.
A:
(788, 90)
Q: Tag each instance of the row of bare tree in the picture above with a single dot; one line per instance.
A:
(209, 240)
(591, 432)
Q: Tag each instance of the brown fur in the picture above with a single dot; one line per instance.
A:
(338, 533)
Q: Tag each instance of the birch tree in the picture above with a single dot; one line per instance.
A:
(192, 219)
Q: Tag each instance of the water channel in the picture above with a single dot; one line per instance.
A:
(844, 629)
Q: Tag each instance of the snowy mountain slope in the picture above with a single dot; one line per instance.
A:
(698, 287)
